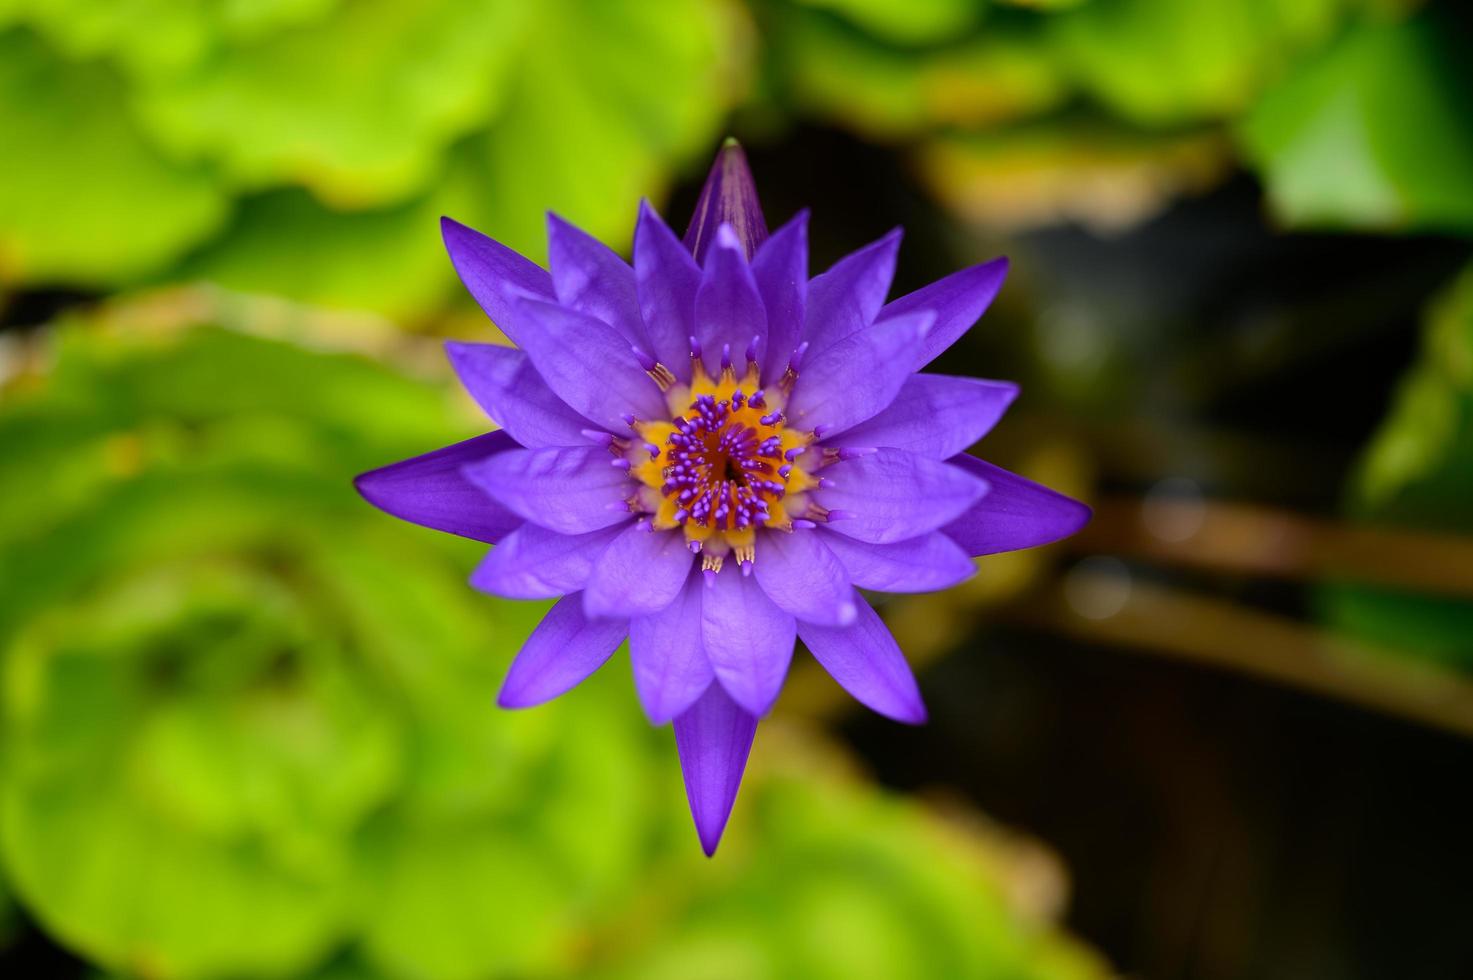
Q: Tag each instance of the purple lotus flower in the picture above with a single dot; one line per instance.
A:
(709, 453)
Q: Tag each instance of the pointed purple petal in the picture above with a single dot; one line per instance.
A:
(780, 269)
(729, 197)
(432, 491)
(866, 661)
(858, 377)
(847, 298)
(589, 277)
(1016, 513)
(934, 415)
(589, 365)
(714, 738)
(564, 649)
(891, 495)
(667, 278)
(508, 388)
(803, 578)
(488, 268)
(748, 640)
(959, 301)
(925, 564)
(670, 666)
(571, 491)
(535, 563)
(729, 311)
(640, 573)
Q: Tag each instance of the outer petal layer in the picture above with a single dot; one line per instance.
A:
(890, 495)
(714, 738)
(564, 649)
(925, 564)
(641, 572)
(803, 578)
(748, 640)
(571, 491)
(958, 301)
(1016, 513)
(433, 491)
(846, 298)
(781, 271)
(492, 273)
(858, 377)
(935, 415)
(507, 387)
(535, 563)
(667, 280)
(588, 277)
(670, 666)
(866, 661)
(588, 364)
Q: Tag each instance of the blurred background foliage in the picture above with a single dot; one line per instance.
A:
(248, 724)
(247, 721)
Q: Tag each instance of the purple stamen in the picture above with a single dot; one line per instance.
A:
(795, 363)
(645, 361)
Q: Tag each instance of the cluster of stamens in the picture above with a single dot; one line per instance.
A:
(725, 464)
(720, 468)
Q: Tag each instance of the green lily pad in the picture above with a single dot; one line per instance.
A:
(359, 108)
(1417, 472)
(1162, 62)
(85, 197)
(1374, 134)
(156, 38)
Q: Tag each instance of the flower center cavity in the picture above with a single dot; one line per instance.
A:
(724, 465)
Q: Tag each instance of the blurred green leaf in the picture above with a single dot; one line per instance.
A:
(1418, 472)
(83, 195)
(150, 38)
(1002, 73)
(1048, 173)
(583, 101)
(286, 243)
(358, 124)
(340, 132)
(588, 129)
(1171, 61)
(1375, 133)
(914, 22)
